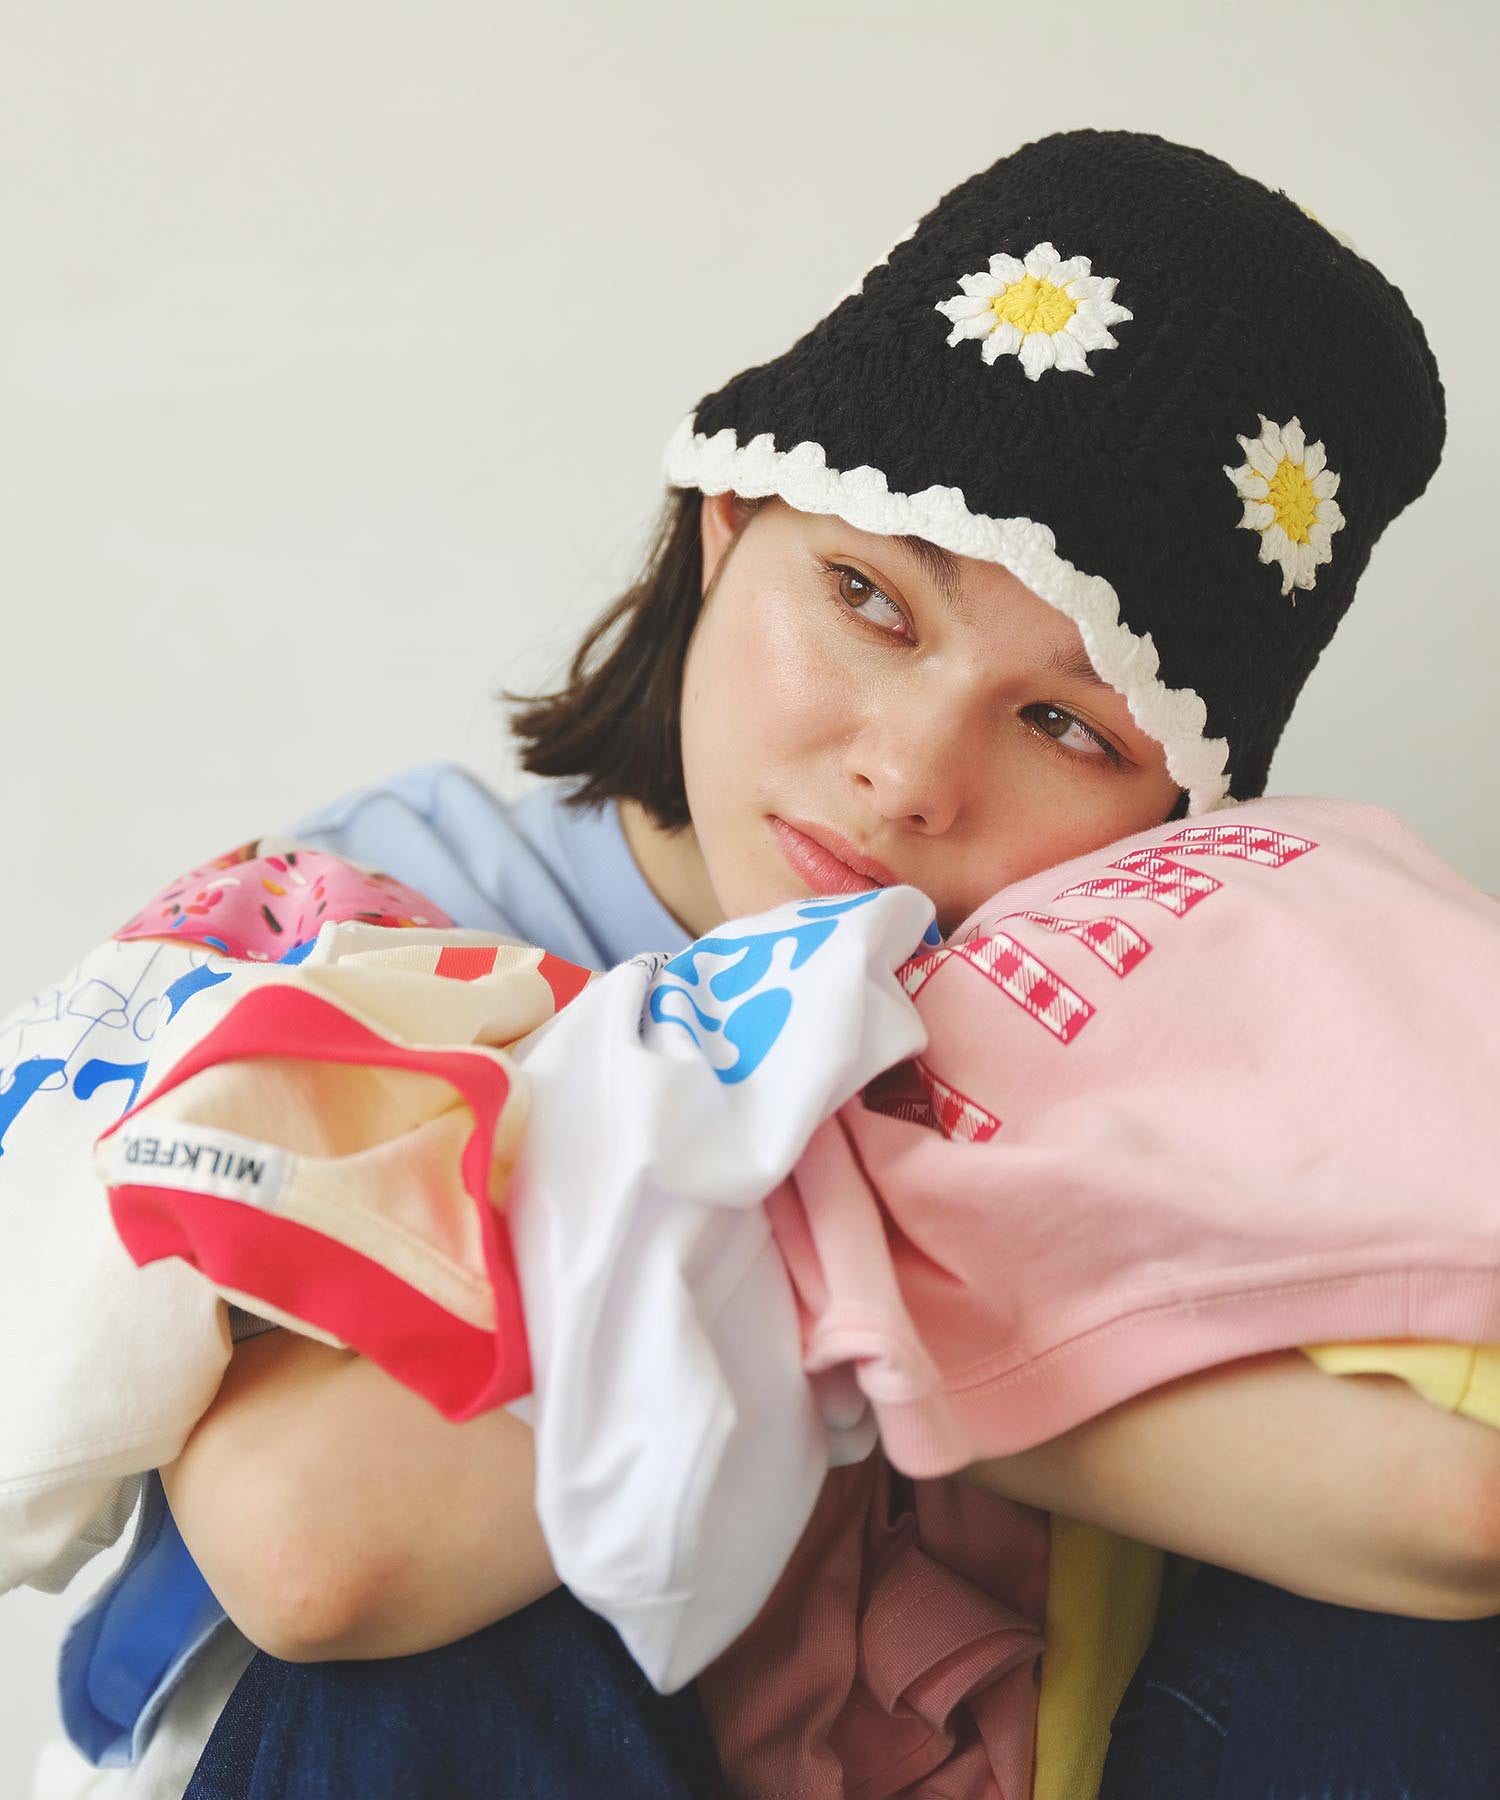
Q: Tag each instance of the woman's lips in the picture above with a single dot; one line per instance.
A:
(826, 862)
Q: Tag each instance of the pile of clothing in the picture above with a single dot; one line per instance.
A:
(744, 1230)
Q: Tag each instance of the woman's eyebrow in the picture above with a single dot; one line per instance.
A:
(941, 567)
(1075, 666)
(944, 568)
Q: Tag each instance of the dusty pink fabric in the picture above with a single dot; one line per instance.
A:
(900, 1646)
(1222, 1089)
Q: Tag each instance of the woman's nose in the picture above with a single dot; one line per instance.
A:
(913, 764)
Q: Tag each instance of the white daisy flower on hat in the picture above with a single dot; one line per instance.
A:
(1288, 490)
(1046, 312)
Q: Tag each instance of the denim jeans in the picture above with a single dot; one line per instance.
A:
(1251, 1693)
(546, 1703)
(1248, 1693)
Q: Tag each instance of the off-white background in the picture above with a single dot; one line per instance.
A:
(339, 342)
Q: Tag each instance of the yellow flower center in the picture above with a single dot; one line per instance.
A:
(1032, 304)
(1293, 497)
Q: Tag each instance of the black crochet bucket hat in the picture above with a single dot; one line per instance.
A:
(1137, 379)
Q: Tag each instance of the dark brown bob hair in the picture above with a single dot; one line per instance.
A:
(617, 720)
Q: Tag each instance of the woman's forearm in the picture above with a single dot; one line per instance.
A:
(336, 1515)
(1352, 1490)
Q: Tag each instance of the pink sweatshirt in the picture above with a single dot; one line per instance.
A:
(1228, 1087)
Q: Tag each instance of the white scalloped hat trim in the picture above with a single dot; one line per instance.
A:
(1175, 717)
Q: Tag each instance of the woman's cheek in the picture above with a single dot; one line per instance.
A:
(797, 673)
(767, 681)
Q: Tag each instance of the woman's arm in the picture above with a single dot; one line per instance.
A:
(336, 1515)
(1350, 1489)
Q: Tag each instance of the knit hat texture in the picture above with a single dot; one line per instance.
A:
(1165, 397)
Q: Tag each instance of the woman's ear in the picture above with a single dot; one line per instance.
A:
(718, 521)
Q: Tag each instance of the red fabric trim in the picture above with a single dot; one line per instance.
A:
(458, 1368)
(282, 1020)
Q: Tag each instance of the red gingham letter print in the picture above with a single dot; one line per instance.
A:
(1018, 974)
(957, 1115)
(1148, 875)
(1251, 843)
(915, 974)
(1117, 945)
(1028, 981)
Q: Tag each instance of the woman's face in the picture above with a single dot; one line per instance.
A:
(853, 716)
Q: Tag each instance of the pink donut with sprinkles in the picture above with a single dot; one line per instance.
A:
(264, 898)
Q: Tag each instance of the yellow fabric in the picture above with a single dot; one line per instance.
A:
(1104, 1591)
(1102, 1596)
(1462, 1378)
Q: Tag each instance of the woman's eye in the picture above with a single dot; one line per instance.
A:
(1071, 732)
(864, 598)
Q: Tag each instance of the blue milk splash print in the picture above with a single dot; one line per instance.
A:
(721, 992)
